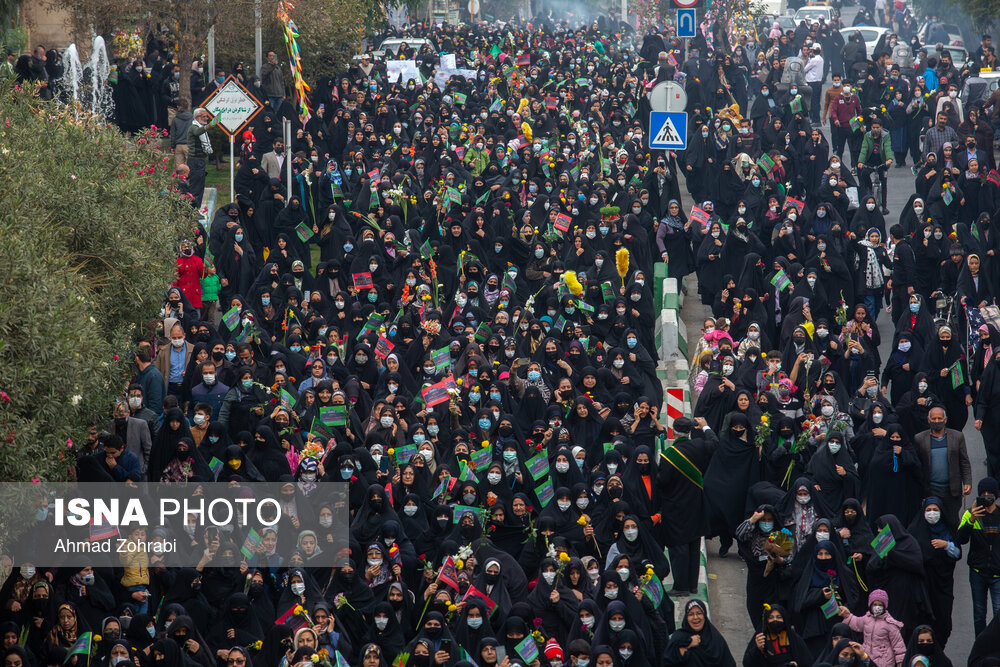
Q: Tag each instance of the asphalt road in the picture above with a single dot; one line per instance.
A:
(727, 576)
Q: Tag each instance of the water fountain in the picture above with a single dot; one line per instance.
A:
(94, 94)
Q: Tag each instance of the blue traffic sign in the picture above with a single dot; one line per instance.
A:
(668, 130)
(686, 20)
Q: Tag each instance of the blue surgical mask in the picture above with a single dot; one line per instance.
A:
(419, 438)
(534, 376)
(755, 182)
(509, 456)
(295, 348)
(631, 342)
(213, 439)
(348, 247)
(152, 631)
(230, 355)
(246, 384)
(485, 423)
(474, 396)
(265, 300)
(345, 473)
(372, 297)
(914, 308)
(239, 237)
(494, 396)
(766, 526)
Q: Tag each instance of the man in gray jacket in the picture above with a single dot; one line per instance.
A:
(272, 82)
(944, 459)
(134, 432)
(179, 132)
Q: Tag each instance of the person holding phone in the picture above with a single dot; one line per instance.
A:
(980, 529)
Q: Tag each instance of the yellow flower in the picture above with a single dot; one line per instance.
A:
(314, 657)
(459, 382)
(459, 564)
(485, 444)
(298, 611)
(763, 419)
(767, 607)
(582, 520)
(452, 607)
(97, 638)
(258, 645)
(649, 569)
(391, 451)
(563, 556)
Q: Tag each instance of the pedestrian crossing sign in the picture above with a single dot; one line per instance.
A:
(668, 130)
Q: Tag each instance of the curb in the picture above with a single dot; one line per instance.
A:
(670, 335)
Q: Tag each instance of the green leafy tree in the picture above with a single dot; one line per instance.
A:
(88, 231)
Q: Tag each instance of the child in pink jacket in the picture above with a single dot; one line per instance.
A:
(881, 632)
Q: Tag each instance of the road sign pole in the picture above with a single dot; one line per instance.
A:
(232, 172)
(287, 127)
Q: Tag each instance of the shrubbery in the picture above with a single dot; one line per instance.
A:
(88, 231)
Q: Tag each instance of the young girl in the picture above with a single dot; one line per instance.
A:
(881, 632)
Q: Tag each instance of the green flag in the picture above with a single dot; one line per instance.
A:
(81, 647)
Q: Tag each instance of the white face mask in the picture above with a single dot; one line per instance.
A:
(298, 588)
(932, 516)
(386, 422)
(588, 621)
(631, 534)
(622, 573)
(410, 510)
(803, 500)
(616, 626)
(822, 536)
(877, 610)
(549, 577)
(427, 454)
(611, 593)
(563, 505)
(562, 466)
(877, 417)
(493, 478)
(135, 402)
(827, 410)
(381, 622)
(921, 387)
(833, 446)
(870, 206)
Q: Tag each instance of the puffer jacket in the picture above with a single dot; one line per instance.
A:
(882, 640)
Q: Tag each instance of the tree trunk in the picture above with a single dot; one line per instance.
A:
(185, 56)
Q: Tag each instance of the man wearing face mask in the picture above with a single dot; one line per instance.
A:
(946, 470)
(875, 159)
(681, 484)
(980, 529)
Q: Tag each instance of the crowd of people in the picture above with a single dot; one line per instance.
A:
(450, 309)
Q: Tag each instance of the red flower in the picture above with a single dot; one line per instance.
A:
(831, 573)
